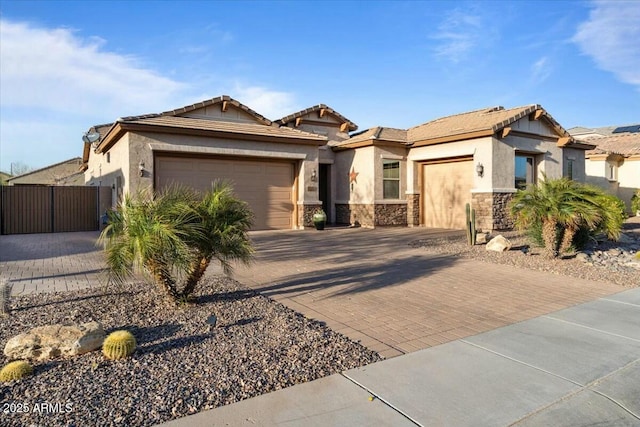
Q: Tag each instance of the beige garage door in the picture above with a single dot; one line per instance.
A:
(446, 189)
(266, 185)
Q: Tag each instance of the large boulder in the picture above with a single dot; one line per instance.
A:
(51, 341)
(498, 244)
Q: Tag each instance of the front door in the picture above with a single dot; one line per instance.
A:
(323, 189)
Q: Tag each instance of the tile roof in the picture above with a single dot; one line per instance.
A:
(220, 126)
(625, 144)
(302, 113)
(486, 119)
(378, 133)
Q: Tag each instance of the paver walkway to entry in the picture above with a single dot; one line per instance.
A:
(373, 287)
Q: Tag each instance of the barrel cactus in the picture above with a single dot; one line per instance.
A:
(15, 371)
(118, 345)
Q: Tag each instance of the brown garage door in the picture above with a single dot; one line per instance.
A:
(446, 189)
(266, 185)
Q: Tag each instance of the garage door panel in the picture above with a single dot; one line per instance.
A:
(446, 190)
(266, 186)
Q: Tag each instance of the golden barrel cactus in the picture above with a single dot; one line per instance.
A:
(118, 345)
(15, 371)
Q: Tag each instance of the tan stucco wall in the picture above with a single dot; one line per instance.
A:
(628, 178)
(395, 154)
(480, 149)
(363, 189)
(306, 156)
(579, 173)
(99, 172)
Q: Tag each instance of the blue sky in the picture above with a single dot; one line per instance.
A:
(65, 66)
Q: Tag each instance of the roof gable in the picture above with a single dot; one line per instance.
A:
(479, 123)
(321, 113)
(222, 108)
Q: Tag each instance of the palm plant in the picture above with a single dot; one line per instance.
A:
(563, 207)
(175, 235)
(225, 221)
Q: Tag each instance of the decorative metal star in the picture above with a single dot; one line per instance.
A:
(353, 175)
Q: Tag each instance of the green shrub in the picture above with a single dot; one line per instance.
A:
(635, 203)
(15, 371)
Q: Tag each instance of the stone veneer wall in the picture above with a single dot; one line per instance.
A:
(413, 210)
(372, 215)
(357, 214)
(492, 211)
(390, 214)
(305, 214)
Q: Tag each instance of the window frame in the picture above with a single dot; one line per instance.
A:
(530, 173)
(390, 179)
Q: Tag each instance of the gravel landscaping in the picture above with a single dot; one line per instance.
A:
(181, 366)
(605, 261)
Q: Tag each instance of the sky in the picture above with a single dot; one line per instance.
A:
(68, 65)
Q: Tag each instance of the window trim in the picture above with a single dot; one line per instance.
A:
(396, 180)
(530, 177)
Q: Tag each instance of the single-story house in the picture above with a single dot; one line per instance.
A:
(68, 172)
(288, 168)
(614, 163)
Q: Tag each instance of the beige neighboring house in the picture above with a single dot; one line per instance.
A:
(3, 177)
(68, 172)
(289, 168)
(614, 164)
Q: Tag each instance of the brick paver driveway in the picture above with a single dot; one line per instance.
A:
(368, 284)
(373, 287)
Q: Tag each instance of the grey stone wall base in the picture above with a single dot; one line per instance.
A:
(492, 211)
(372, 215)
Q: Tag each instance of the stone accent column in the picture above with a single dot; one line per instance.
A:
(305, 214)
(492, 211)
(413, 210)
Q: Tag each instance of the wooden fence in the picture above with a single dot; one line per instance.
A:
(54, 209)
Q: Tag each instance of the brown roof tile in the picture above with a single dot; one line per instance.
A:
(486, 119)
(219, 126)
(378, 133)
(301, 113)
(625, 144)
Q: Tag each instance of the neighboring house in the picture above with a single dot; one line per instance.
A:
(289, 168)
(614, 164)
(3, 177)
(64, 173)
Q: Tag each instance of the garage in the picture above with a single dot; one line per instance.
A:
(268, 186)
(446, 189)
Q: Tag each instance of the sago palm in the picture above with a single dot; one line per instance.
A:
(225, 222)
(150, 234)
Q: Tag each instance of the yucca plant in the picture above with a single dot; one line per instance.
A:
(174, 235)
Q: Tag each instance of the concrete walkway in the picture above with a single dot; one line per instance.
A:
(576, 367)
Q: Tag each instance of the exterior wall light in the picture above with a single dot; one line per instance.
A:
(480, 170)
(314, 176)
(141, 169)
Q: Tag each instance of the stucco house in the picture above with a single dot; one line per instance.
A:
(288, 168)
(614, 163)
(67, 172)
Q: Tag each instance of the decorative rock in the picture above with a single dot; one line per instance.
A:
(481, 238)
(583, 257)
(499, 244)
(48, 342)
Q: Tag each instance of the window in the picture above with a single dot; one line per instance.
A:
(569, 173)
(612, 171)
(390, 179)
(524, 171)
(108, 157)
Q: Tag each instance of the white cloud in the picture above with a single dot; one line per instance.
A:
(540, 70)
(271, 104)
(611, 37)
(459, 33)
(55, 69)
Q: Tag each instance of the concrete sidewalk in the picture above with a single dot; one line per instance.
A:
(578, 366)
